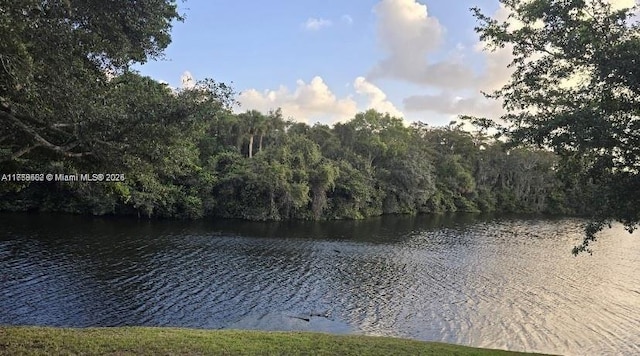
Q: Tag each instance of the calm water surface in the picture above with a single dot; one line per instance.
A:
(506, 283)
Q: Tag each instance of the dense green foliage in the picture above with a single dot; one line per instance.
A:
(576, 90)
(69, 104)
(192, 158)
(55, 61)
(172, 341)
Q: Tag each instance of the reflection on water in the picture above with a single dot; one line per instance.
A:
(493, 282)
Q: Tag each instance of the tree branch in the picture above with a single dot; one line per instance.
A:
(41, 141)
(23, 152)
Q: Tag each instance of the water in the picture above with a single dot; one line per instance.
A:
(508, 283)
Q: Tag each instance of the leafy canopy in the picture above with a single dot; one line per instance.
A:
(55, 61)
(576, 89)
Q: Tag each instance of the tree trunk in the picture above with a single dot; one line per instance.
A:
(251, 146)
(319, 201)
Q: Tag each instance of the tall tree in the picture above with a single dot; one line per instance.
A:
(56, 58)
(576, 89)
(252, 123)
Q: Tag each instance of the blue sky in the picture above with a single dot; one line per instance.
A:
(323, 61)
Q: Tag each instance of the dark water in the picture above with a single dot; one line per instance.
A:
(493, 282)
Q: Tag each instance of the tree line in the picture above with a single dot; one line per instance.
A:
(186, 154)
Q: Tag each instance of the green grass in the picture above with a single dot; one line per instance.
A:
(170, 341)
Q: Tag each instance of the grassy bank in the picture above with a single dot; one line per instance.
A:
(169, 341)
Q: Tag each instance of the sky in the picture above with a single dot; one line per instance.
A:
(325, 61)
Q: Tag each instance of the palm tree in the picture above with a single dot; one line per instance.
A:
(251, 122)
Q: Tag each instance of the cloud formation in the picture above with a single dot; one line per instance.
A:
(314, 101)
(376, 98)
(407, 35)
(623, 4)
(309, 102)
(411, 38)
(187, 81)
(448, 103)
(315, 24)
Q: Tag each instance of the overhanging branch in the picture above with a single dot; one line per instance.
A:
(40, 141)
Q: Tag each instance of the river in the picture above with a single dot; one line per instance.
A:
(498, 282)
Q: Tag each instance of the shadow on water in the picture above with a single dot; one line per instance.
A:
(374, 229)
(383, 229)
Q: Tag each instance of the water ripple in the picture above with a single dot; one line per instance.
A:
(500, 283)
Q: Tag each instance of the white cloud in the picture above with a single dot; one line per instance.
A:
(407, 34)
(376, 98)
(187, 81)
(496, 72)
(449, 103)
(626, 4)
(623, 4)
(347, 19)
(314, 24)
(309, 102)
(411, 37)
(314, 101)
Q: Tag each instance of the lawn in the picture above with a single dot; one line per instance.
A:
(172, 341)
